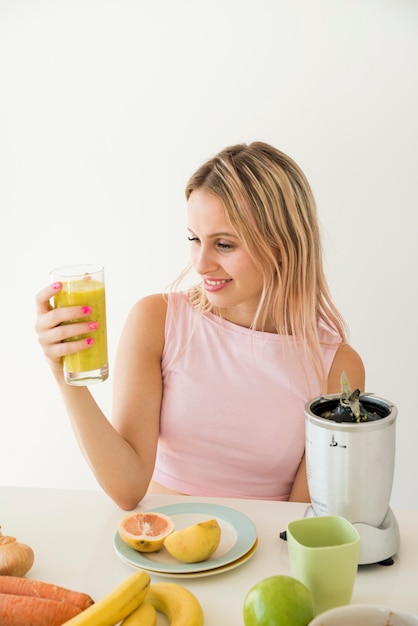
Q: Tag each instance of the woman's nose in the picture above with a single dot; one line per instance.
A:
(203, 260)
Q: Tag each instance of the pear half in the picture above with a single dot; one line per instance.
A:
(195, 543)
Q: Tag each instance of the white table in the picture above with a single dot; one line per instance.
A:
(72, 534)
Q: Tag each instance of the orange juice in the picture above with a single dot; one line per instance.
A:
(90, 365)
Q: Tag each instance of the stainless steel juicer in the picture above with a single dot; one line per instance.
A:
(350, 469)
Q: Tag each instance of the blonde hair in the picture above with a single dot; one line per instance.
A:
(269, 203)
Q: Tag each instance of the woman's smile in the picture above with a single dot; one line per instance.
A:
(215, 284)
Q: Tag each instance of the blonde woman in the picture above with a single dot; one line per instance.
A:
(210, 384)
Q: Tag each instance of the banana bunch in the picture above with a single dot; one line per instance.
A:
(134, 602)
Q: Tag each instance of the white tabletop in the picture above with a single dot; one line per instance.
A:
(71, 533)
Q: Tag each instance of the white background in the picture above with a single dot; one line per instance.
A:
(107, 107)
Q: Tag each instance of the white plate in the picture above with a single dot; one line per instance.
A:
(238, 537)
(370, 614)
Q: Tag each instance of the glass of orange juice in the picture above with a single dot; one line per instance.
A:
(84, 285)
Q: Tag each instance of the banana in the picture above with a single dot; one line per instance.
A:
(178, 603)
(144, 615)
(117, 604)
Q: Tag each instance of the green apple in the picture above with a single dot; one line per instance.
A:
(278, 601)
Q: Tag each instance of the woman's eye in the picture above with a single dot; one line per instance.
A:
(225, 246)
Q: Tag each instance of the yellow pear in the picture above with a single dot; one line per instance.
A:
(195, 543)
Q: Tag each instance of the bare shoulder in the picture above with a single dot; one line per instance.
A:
(153, 305)
(349, 361)
(146, 320)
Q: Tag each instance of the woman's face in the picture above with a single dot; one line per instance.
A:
(229, 276)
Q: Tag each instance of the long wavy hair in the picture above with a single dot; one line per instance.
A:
(269, 203)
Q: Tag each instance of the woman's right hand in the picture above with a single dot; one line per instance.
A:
(55, 327)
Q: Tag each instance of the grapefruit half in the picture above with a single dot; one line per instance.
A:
(145, 532)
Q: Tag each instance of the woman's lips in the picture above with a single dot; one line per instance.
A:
(215, 284)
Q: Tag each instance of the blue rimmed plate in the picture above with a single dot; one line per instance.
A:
(238, 538)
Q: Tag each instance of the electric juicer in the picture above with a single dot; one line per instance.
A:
(350, 468)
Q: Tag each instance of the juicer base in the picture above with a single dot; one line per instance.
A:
(377, 544)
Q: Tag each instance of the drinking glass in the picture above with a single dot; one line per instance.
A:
(84, 285)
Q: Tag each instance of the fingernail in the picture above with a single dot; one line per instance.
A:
(93, 325)
(87, 310)
(56, 286)
(89, 341)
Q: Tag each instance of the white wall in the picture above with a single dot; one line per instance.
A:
(107, 106)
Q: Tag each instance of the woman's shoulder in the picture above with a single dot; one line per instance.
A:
(349, 361)
(152, 305)
(146, 320)
(151, 311)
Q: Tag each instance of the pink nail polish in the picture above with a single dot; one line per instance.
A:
(87, 310)
(56, 286)
(93, 325)
(89, 341)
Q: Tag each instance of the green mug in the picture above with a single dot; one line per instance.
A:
(323, 554)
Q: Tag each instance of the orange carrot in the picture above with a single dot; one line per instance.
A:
(38, 589)
(34, 611)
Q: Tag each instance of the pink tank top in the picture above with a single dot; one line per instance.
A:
(232, 415)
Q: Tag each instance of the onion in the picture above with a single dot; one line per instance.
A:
(16, 558)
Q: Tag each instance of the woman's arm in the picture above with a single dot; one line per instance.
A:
(300, 492)
(121, 454)
(346, 360)
(137, 392)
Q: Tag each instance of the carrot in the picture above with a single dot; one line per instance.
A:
(34, 611)
(38, 589)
